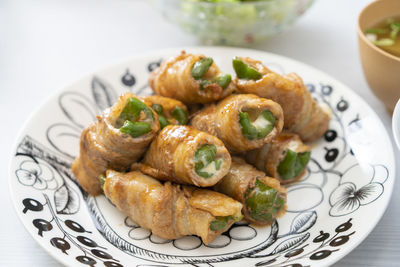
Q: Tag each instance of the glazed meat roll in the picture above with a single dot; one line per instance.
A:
(171, 211)
(170, 111)
(263, 197)
(242, 122)
(191, 79)
(185, 155)
(285, 158)
(302, 114)
(119, 138)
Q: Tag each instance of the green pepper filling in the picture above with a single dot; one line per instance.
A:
(260, 127)
(263, 202)
(128, 120)
(244, 71)
(222, 222)
(180, 115)
(293, 164)
(161, 118)
(205, 162)
(201, 67)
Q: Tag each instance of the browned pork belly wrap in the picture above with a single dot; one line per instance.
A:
(169, 110)
(191, 79)
(185, 155)
(302, 114)
(114, 143)
(171, 211)
(285, 158)
(263, 198)
(242, 122)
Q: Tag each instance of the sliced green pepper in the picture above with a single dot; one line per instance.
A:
(131, 111)
(135, 129)
(221, 222)
(244, 71)
(293, 164)
(259, 128)
(204, 156)
(263, 202)
(201, 67)
(161, 118)
(224, 80)
(180, 115)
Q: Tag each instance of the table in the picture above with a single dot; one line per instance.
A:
(46, 44)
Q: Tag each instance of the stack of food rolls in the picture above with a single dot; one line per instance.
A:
(241, 145)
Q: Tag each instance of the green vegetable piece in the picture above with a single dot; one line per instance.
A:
(384, 42)
(376, 31)
(131, 111)
(180, 115)
(135, 129)
(163, 121)
(224, 80)
(158, 109)
(218, 164)
(259, 128)
(248, 130)
(301, 163)
(293, 164)
(263, 202)
(244, 71)
(203, 156)
(201, 67)
(102, 179)
(220, 223)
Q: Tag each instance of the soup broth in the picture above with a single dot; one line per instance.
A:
(386, 35)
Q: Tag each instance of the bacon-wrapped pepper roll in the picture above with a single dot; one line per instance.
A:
(171, 211)
(263, 197)
(242, 122)
(170, 111)
(119, 138)
(185, 155)
(191, 79)
(302, 114)
(285, 158)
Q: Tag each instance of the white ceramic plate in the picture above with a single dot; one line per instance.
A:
(346, 190)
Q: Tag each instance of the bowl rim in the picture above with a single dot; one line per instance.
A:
(362, 35)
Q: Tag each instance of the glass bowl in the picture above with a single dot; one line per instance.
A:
(233, 23)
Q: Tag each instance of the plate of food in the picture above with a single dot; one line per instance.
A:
(203, 156)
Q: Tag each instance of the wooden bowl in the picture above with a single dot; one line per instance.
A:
(381, 69)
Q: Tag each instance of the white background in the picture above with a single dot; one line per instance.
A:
(45, 45)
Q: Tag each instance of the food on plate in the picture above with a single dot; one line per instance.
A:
(185, 155)
(191, 79)
(150, 164)
(242, 121)
(118, 138)
(285, 158)
(385, 35)
(169, 110)
(263, 197)
(302, 114)
(169, 210)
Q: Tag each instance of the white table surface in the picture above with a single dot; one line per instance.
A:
(45, 45)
